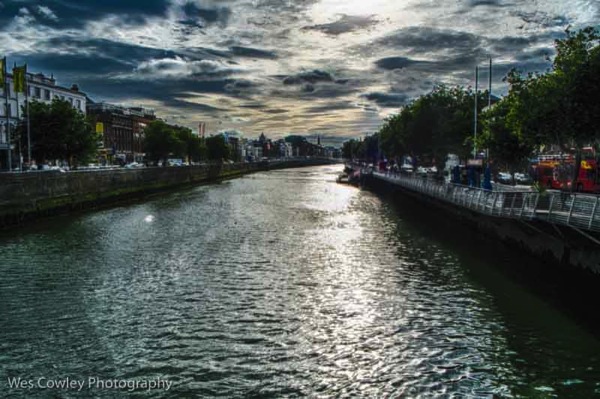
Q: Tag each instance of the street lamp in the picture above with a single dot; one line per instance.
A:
(476, 98)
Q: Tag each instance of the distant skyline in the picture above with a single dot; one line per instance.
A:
(330, 67)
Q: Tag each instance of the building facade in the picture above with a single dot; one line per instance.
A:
(39, 88)
(122, 130)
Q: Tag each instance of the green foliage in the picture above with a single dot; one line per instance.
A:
(161, 141)
(350, 149)
(560, 107)
(58, 132)
(433, 125)
(190, 146)
(218, 149)
(507, 148)
(367, 149)
(539, 188)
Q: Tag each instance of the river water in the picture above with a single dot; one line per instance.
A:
(279, 283)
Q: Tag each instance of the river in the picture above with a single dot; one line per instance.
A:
(279, 283)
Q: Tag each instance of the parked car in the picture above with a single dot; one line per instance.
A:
(504, 178)
(523, 178)
(134, 165)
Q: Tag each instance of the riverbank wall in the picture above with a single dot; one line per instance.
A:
(31, 195)
(557, 245)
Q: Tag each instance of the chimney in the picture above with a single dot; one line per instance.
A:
(74, 87)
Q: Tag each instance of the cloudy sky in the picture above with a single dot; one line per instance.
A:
(334, 67)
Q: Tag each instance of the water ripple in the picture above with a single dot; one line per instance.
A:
(276, 284)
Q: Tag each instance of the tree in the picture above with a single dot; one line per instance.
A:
(350, 149)
(161, 141)
(433, 125)
(561, 107)
(190, 146)
(217, 148)
(507, 148)
(58, 132)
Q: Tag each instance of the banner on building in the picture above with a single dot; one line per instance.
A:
(99, 127)
(2, 72)
(19, 78)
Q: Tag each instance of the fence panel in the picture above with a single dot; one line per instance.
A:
(572, 209)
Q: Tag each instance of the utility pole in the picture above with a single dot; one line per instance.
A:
(490, 85)
(487, 152)
(475, 118)
(7, 108)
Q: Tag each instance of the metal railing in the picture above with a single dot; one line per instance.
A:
(572, 209)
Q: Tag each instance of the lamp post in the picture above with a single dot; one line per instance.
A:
(476, 98)
(475, 118)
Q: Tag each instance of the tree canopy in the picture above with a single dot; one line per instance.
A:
(57, 132)
(217, 148)
(558, 108)
(160, 141)
(163, 141)
(433, 125)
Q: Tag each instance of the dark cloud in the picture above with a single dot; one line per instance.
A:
(539, 55)
(253, 105)
(426, 39)
(393, 100)
(275, 111)
(163, 90)
(542, 18)
(489, 3)
(102, 49)
(397, 63)
(326, 108)
(74, 64)
(109, 59)
(516, 44)
(308, 88)
(510, 43)
(329, 91)
(217, 15)
(292, 8)
(313, 76)
(186, 104)
(252, 52)
(240, 87)
(75, 13)
(347, 23)
(176, 68)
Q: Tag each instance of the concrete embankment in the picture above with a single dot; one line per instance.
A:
(27, 196)
(556, 244)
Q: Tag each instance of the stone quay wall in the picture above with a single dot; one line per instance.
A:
(555, 244)
(29, 195)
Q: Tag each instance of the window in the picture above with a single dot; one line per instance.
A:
(46, 94)
(78, 103)
(70, 101)
(37, 92)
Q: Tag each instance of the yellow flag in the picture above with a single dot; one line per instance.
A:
(19, 78)
(2, 72)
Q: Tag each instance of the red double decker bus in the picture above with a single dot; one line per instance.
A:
(557, 172)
